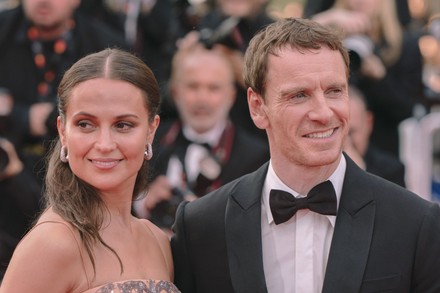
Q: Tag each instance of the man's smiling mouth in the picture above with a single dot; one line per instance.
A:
(324, 134)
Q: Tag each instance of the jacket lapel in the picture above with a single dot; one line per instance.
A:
(353, 233)
(243, 233)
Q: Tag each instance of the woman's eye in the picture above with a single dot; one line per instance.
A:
(124, 126)
(84, 124)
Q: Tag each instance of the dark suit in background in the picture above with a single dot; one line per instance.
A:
(244, 153)
(385, 165)
(20, 204)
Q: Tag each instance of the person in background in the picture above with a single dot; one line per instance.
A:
(229, 26)
(203, 149)
(86, 240)
(370, 158)
(20, 192)
(20, 201)
(149, 27)
(309, 220)
(39, 40)
(312, 7)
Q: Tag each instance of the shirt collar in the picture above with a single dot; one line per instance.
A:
(210, 137)
(272, 181)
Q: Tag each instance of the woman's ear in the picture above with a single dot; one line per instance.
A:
(152, 129)
(257, 109)
(61, 130)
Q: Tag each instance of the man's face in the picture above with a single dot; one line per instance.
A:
(306, 107)
(203, 90)
(49, 14)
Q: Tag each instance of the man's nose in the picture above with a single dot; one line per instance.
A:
(320, 109)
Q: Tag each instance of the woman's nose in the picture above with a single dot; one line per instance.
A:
(105, 141)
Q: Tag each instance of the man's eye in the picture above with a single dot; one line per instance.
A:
(299, 96)
(335, 92)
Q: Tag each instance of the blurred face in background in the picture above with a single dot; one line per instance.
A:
(203, 89)
(369, 7)
(361, 123)
(241, 8)
(50, 14)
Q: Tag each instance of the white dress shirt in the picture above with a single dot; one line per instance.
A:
(295, 252)
(194, 153)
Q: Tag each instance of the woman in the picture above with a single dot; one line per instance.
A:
(87, 240)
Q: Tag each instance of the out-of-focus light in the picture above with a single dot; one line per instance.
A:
(417, 8)
(429, 46)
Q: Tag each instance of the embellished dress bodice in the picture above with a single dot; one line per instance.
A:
(136, 286)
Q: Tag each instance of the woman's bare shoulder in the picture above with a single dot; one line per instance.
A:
(53, 230)
(49, 248)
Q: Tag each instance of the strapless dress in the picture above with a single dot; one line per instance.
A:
(136, 286)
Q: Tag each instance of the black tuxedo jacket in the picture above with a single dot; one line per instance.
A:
(386, 239)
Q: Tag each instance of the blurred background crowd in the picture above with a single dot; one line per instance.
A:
(195, 48)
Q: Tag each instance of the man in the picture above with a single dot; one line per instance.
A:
(361, 150)
(372, 235)
(203, 149)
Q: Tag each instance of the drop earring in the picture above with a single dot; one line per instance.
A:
(64, 157)
(148, 152)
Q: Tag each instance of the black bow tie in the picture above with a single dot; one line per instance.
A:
(321, 199)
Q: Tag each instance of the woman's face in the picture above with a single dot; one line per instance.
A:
(106, 130)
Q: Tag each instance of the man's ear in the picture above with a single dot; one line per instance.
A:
(257, 109)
